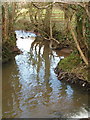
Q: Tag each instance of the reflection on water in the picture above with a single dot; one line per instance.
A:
(31, 88)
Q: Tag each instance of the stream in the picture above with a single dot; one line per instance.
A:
(31, 88)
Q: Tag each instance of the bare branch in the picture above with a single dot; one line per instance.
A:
(43, 7)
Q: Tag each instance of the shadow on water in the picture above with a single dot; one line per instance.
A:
(31, 88)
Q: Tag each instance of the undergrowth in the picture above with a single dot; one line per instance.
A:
(74, 64)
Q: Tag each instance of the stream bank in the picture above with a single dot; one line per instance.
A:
(72, 70)
(31, 88)
(9, 49)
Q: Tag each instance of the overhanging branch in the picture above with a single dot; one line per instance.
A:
(43, 7)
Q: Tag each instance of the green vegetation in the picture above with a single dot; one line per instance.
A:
(78, 29)
(64, 24)
(70, 62)
(8, 34)
(7, 49)
(74, 64)
(6, 53)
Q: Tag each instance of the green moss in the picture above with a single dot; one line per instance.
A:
(6, 52)
(74, 64)
(70, 62)
(7, 48)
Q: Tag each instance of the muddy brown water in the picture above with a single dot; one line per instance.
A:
(31, 88)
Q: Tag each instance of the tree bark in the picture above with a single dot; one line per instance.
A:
(51, 34)
(47, 20)
(78, 46)
(11, 18)
(5, 22)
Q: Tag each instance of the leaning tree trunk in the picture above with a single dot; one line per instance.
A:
(73, 33)
(78, 46)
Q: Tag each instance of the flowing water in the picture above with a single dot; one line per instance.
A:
(31, 88)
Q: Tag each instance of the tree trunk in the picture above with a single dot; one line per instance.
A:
(31, 12)
(78, 46)
(11, 18)
(51, 34)
(5, 21)
(47, 20)
(84, 31)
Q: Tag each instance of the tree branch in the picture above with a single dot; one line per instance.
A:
(43, 7)
(78, 46)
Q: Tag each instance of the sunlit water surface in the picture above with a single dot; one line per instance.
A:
(31, 88)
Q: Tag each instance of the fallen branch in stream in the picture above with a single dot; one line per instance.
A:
(51, 39)
(47, 36)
